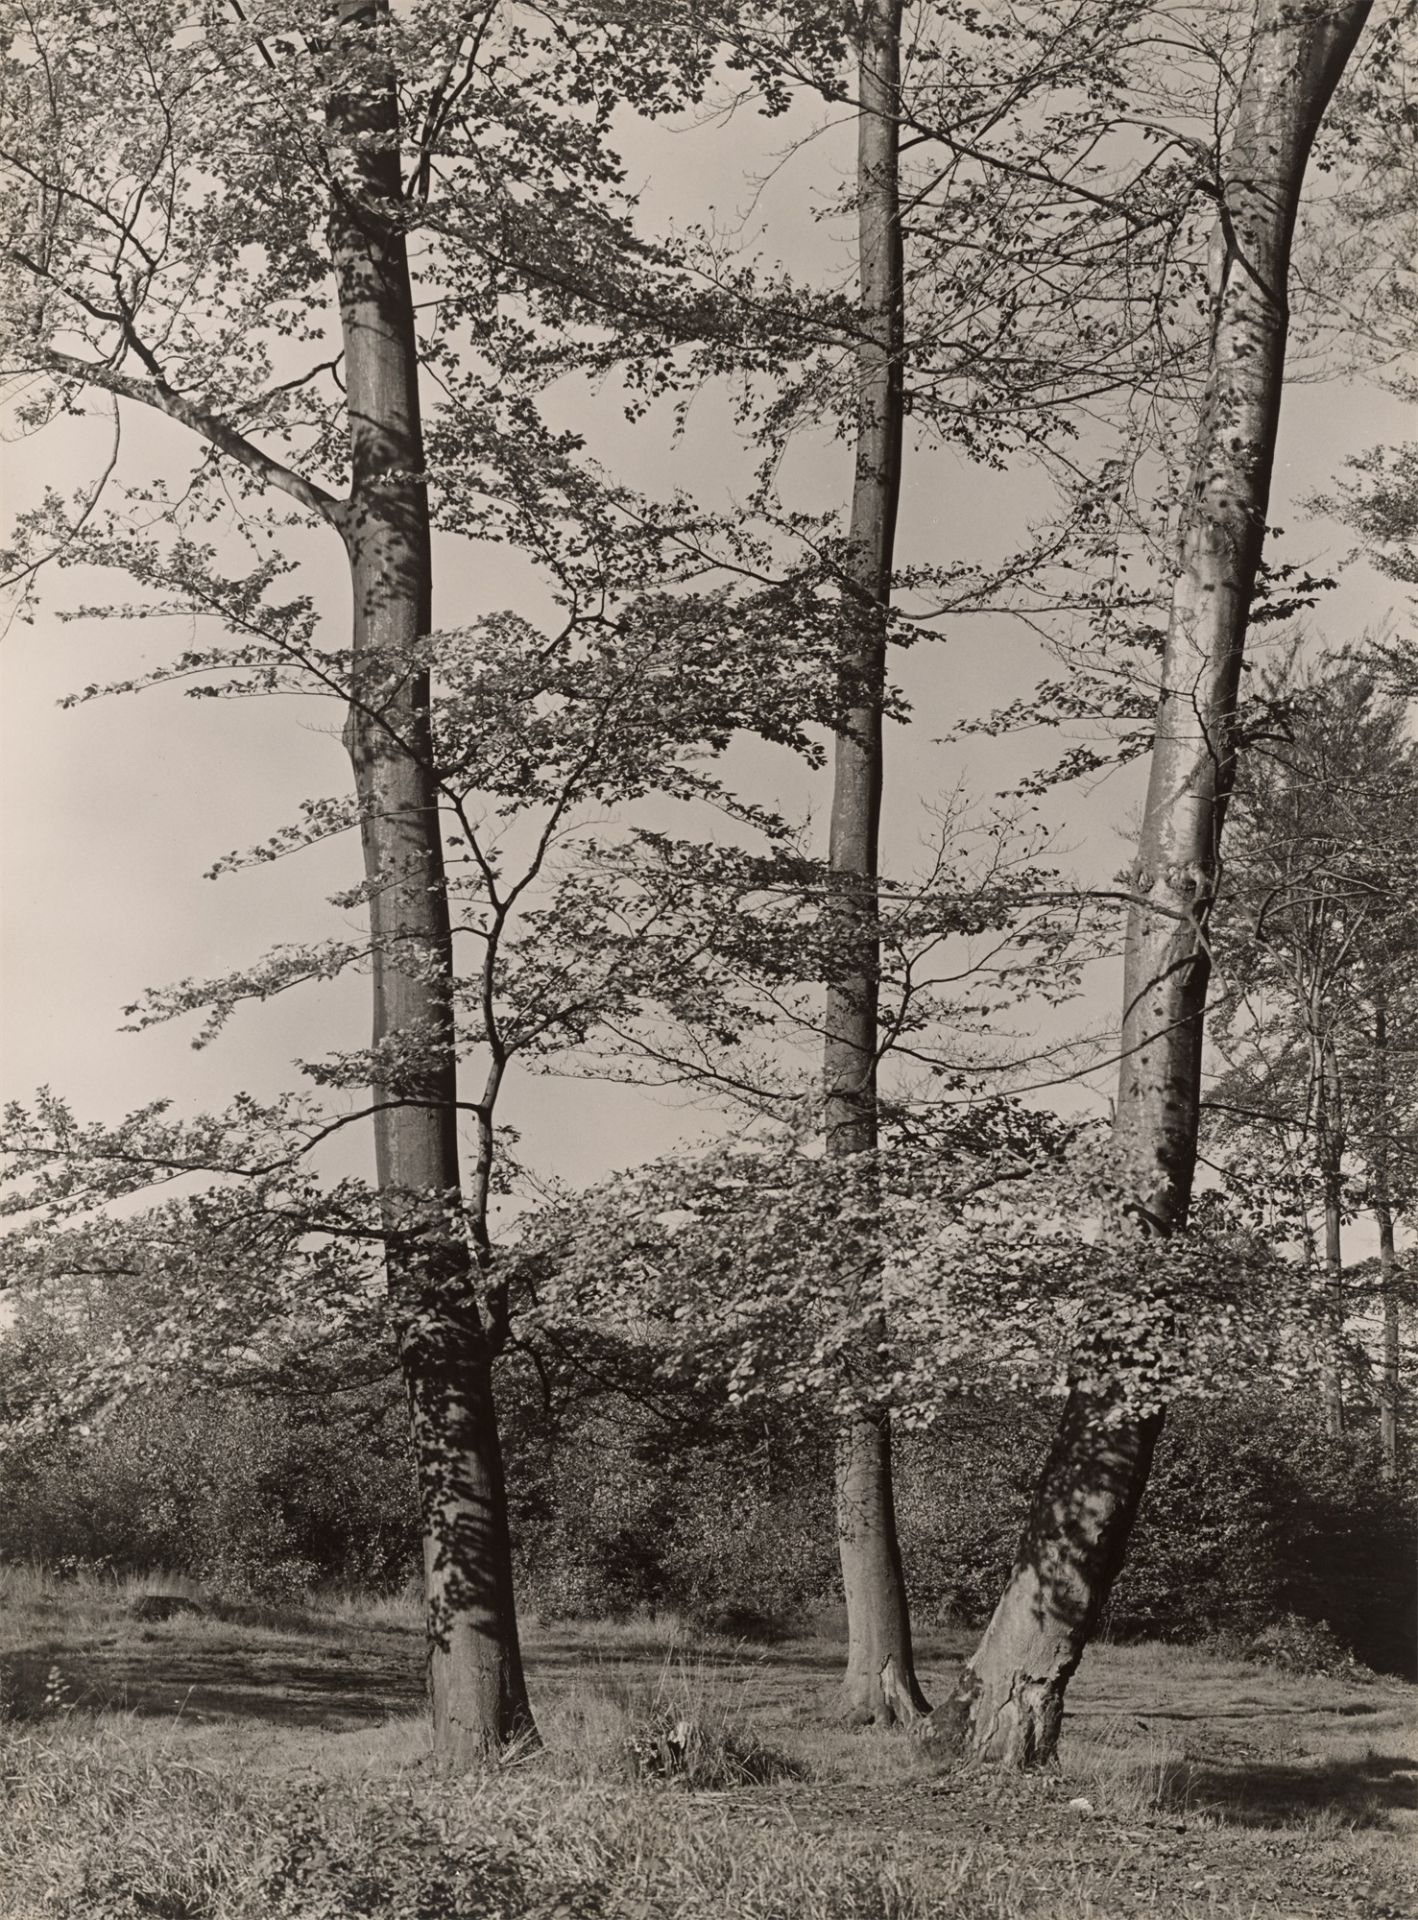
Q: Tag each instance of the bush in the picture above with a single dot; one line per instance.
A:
(963, 1489)
(667, 1500)
(702, 1754)
(1255, 1514)
(725, 1524)
(238, 1492)
(752, 1542)
(1297, 1645)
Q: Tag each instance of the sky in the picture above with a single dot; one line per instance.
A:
(111, 812)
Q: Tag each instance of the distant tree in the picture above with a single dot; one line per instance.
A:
(1317, 949)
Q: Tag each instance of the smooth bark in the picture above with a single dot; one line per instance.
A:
(1008, 1703)
(476, 1684)
(880, 1683)
(1388, 1254)
(1389, 1365)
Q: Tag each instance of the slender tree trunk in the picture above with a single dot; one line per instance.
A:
(1329, 1157)
(1388, 1376)
(880, 1683)
(1332, 1384)
(478, 1694)
(1008, 1703)
(1388, 1257)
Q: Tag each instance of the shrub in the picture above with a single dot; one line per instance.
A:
(238, 1492)
(705, 1755)
(751, 1543)
(962, 1491)
(727, 1526)
(668, 1500)
(1297, 1645)
(1255, 1514)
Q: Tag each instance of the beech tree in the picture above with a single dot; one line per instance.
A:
(191, 206)
(531, 738)
(880, 1680)
(1009, 1700)
(182, 197)
(135, 281)
(1027, 266)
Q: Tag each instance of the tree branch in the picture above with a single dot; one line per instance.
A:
(209, 426)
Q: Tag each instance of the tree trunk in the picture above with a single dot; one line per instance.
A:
(1332, 1381)
(1388, 1257)
(1008, 1703)
(1388, 1376)
(880, 1684)
(1327, 1096)
(477, 1689)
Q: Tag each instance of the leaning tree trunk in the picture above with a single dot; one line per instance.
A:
(1008, 1703)
(478, 1693)
(880, 1684)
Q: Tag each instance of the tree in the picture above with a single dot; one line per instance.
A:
(1315, 941)
(173, 227)
(1009, 1700)
(1384, 1196)
(1382, 503)
(880, 1682)
(1043, 275)
(107, 235)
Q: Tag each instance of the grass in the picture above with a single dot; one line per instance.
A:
(272, 1764)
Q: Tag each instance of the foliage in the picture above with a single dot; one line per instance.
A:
(971, 1242)
(1297, 1645)
(166, 221)
(1254, 1514)
(1314, 926)
(689, 1741)
(236, 1492)
(729, 1528)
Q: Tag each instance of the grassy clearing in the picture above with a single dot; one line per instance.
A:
(271, 1764)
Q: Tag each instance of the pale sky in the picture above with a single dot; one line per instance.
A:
(110, 813)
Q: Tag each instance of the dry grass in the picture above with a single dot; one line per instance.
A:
(272, 1764)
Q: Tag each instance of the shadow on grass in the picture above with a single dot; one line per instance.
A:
(1358, 1793)
(274, 1668)
(286, 1683)
(551, 1651)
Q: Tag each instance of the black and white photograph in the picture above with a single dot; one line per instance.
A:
(709, 960)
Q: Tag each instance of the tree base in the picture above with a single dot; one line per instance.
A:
(1014, 1722)
(882, 1696)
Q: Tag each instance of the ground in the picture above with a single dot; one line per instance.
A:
(247, 1762)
